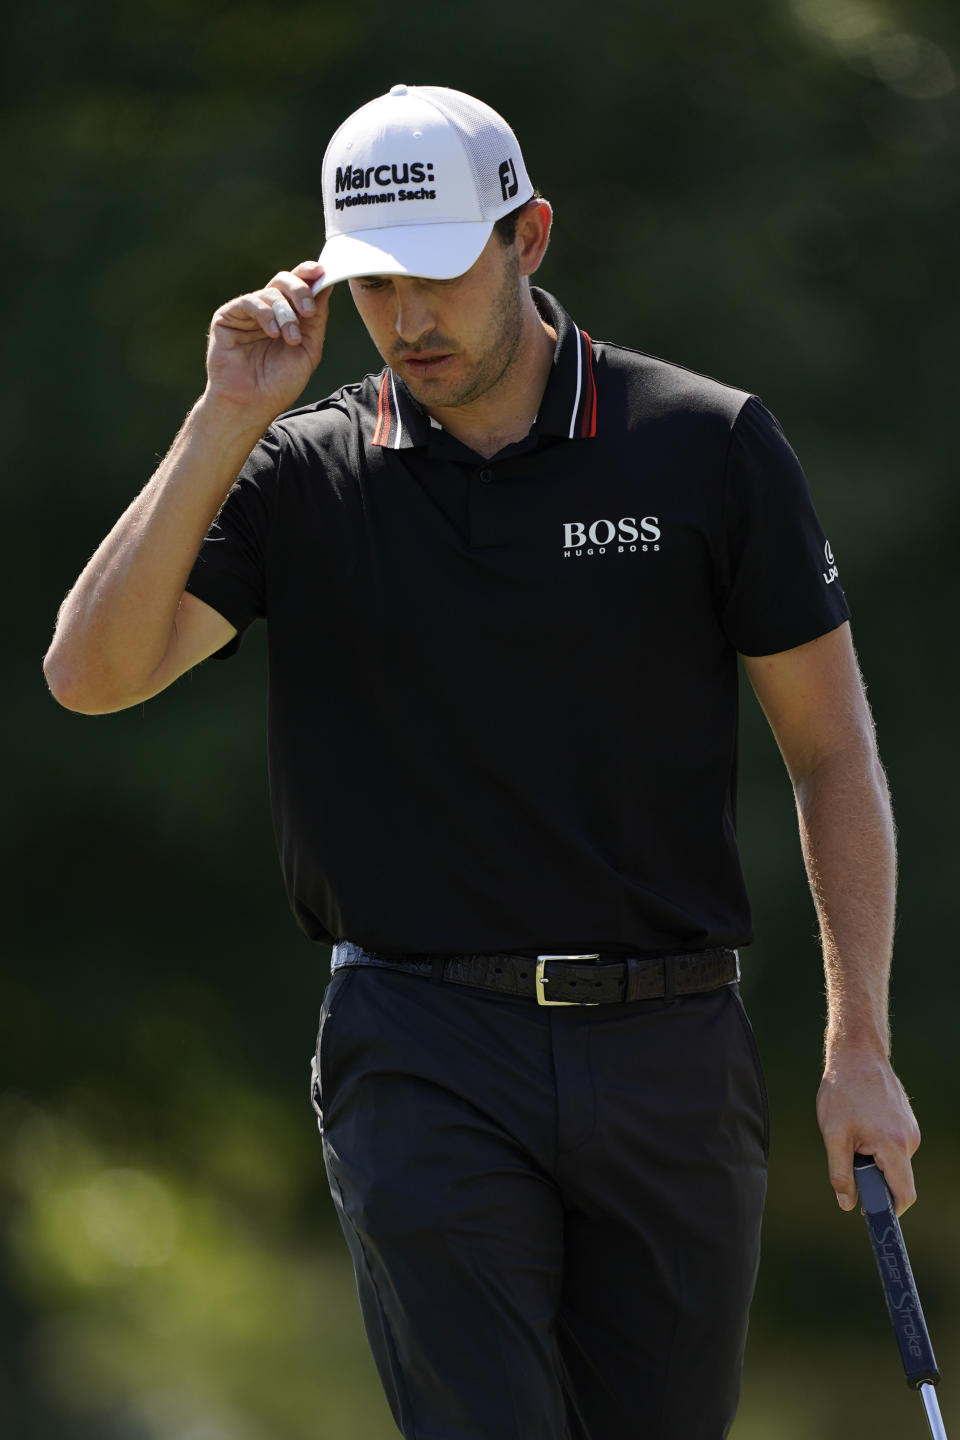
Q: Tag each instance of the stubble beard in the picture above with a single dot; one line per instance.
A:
(499, 350)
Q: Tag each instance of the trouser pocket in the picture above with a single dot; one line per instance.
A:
(315, 1093)
(751, 1040)
(320, 1081)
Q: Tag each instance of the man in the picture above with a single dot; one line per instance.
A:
(506, 581)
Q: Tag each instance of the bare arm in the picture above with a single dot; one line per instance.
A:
(814, 699)
(127, 629)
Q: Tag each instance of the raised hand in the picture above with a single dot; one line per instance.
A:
(264, 346)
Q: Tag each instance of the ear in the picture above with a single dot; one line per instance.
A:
(533, 234)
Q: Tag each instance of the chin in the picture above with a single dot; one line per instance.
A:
(435, 392)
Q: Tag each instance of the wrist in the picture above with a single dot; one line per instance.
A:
(858, 1045)
(226, 420)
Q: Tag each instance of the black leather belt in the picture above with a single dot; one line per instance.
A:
(575, 979)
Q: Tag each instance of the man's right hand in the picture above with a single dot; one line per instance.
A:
(264, 346)
(127, 629)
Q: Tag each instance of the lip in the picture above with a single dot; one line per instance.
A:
(426, 364)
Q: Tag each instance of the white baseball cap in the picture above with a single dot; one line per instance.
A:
(413, 183)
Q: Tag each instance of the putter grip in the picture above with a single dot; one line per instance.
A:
(899, 1288)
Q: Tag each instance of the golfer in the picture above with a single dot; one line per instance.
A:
(506, 581)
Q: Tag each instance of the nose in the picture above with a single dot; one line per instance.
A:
(414, 314)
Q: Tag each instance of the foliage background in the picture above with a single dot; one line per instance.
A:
(765, 190)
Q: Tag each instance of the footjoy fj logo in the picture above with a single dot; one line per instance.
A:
(626, 536)
(509, 184)
(356, 181)
(831, 573)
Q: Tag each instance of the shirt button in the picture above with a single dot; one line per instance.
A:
(486, 476)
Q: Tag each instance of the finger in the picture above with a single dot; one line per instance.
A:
(247, 312)
(898, 1173)
(284, 315)
(295, 289)
(840, 1169)
(312, 273)
(308, 270)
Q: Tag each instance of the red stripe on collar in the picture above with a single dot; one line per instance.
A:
(383, 411)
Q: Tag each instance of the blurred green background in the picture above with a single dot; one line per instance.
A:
(766, 190)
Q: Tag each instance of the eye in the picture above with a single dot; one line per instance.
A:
(371, 282)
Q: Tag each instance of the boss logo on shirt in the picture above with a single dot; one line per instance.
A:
(626, 536)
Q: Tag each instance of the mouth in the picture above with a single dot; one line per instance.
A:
(426, 364)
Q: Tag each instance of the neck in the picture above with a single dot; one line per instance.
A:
(505, 413)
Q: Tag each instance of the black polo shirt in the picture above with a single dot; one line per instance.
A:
(503, 693)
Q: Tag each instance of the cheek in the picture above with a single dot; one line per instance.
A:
(377, 320)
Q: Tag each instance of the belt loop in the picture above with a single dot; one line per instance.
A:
(670, 977)
(633, 979)
(436, 969)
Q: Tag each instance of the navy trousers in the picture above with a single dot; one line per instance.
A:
(553, 1214)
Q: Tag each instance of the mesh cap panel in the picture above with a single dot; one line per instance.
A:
(488, 143)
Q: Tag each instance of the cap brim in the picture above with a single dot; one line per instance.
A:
(435, 252)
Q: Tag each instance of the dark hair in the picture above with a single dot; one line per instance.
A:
(506, 227)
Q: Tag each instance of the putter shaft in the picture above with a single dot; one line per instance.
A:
(932, 1406)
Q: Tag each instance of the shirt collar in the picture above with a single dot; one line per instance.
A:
(568, 408)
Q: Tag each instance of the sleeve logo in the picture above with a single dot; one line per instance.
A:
(831, 572)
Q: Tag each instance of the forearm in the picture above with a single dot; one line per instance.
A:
(816, 704)
(115, 625)
(849, 847)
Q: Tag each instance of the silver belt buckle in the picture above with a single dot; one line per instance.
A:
(543, 980)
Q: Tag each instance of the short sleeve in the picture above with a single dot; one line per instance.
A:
(229, 572)
(781, 578)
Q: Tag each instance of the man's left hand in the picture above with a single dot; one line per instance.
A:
(861, 1106)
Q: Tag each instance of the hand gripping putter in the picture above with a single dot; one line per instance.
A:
(899, 1288)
